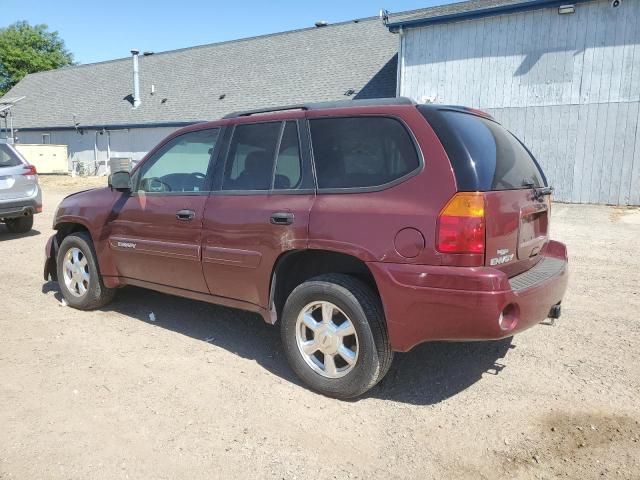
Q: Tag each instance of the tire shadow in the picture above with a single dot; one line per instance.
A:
(5, 234)
(433, 372)
(429, 374)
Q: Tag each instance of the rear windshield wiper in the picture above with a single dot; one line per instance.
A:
(538, 192)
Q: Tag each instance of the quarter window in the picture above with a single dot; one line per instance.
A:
(361, 151)
(181, 165)
(288, 165)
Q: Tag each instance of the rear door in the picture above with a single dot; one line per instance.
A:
(16, 179)
(488, 158)
(156, 231)
(260, 208)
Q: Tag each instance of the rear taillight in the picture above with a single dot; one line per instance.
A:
(30, 170)
(461, 224)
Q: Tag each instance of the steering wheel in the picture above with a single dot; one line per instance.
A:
(198, 180)
(155, 185)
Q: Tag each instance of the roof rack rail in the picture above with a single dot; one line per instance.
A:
(324, 105)
(247, 113)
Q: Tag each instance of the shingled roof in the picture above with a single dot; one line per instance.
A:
(354, 59)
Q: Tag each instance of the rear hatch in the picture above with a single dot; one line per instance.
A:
(16, 178)
(486, 157)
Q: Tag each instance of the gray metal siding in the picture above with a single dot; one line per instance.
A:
(567, 85)
(133, 143)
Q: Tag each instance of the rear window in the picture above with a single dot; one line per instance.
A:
(483, 154)
(361, 151)
(7, 157)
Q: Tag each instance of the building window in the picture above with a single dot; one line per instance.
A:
(46, 138)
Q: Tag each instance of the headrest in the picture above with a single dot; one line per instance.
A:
(256, 161)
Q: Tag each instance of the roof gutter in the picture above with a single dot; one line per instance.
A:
(480, 13)
(123, 126)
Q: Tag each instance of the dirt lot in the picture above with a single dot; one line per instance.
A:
(204, 392)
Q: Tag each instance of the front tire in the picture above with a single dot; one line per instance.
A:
(20, 224)
(334, 335)
(78, 274)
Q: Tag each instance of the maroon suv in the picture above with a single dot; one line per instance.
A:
(361, 227)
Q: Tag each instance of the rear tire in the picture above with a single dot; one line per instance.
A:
(78, 274)
(20, 224)
(323, 353)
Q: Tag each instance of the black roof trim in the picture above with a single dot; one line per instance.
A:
(474, 11)
(326, 105)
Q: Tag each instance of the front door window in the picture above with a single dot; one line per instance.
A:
(181, 166)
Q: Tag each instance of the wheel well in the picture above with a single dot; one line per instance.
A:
(65, 229)
(294, 268)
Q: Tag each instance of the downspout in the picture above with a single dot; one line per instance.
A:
(13, 138)
(107, 167)
(400, 61)
(95, 150)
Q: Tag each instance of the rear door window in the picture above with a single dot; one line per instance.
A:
(251, 156)
(7, 157)
(361, 152)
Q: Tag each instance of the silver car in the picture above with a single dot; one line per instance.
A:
(20, 194)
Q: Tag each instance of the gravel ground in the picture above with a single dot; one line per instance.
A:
(205, 392)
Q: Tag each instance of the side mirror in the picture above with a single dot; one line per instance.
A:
(120, 181)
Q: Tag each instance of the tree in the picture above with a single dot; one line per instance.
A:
(27, 49)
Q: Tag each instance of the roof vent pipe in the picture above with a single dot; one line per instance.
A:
(321, 23)
(136, 79)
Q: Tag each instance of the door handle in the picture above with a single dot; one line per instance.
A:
(282, 218)
(185, 215)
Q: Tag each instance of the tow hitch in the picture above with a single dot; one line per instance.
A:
(554, 313)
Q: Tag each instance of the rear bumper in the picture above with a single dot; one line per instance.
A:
(21, 206)
(425, 303)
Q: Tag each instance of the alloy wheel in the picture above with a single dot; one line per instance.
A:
(76, 272)
(327, 339)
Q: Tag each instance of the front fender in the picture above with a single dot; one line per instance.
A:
(92, 210)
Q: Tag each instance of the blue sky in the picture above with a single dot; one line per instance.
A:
(102, 30)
